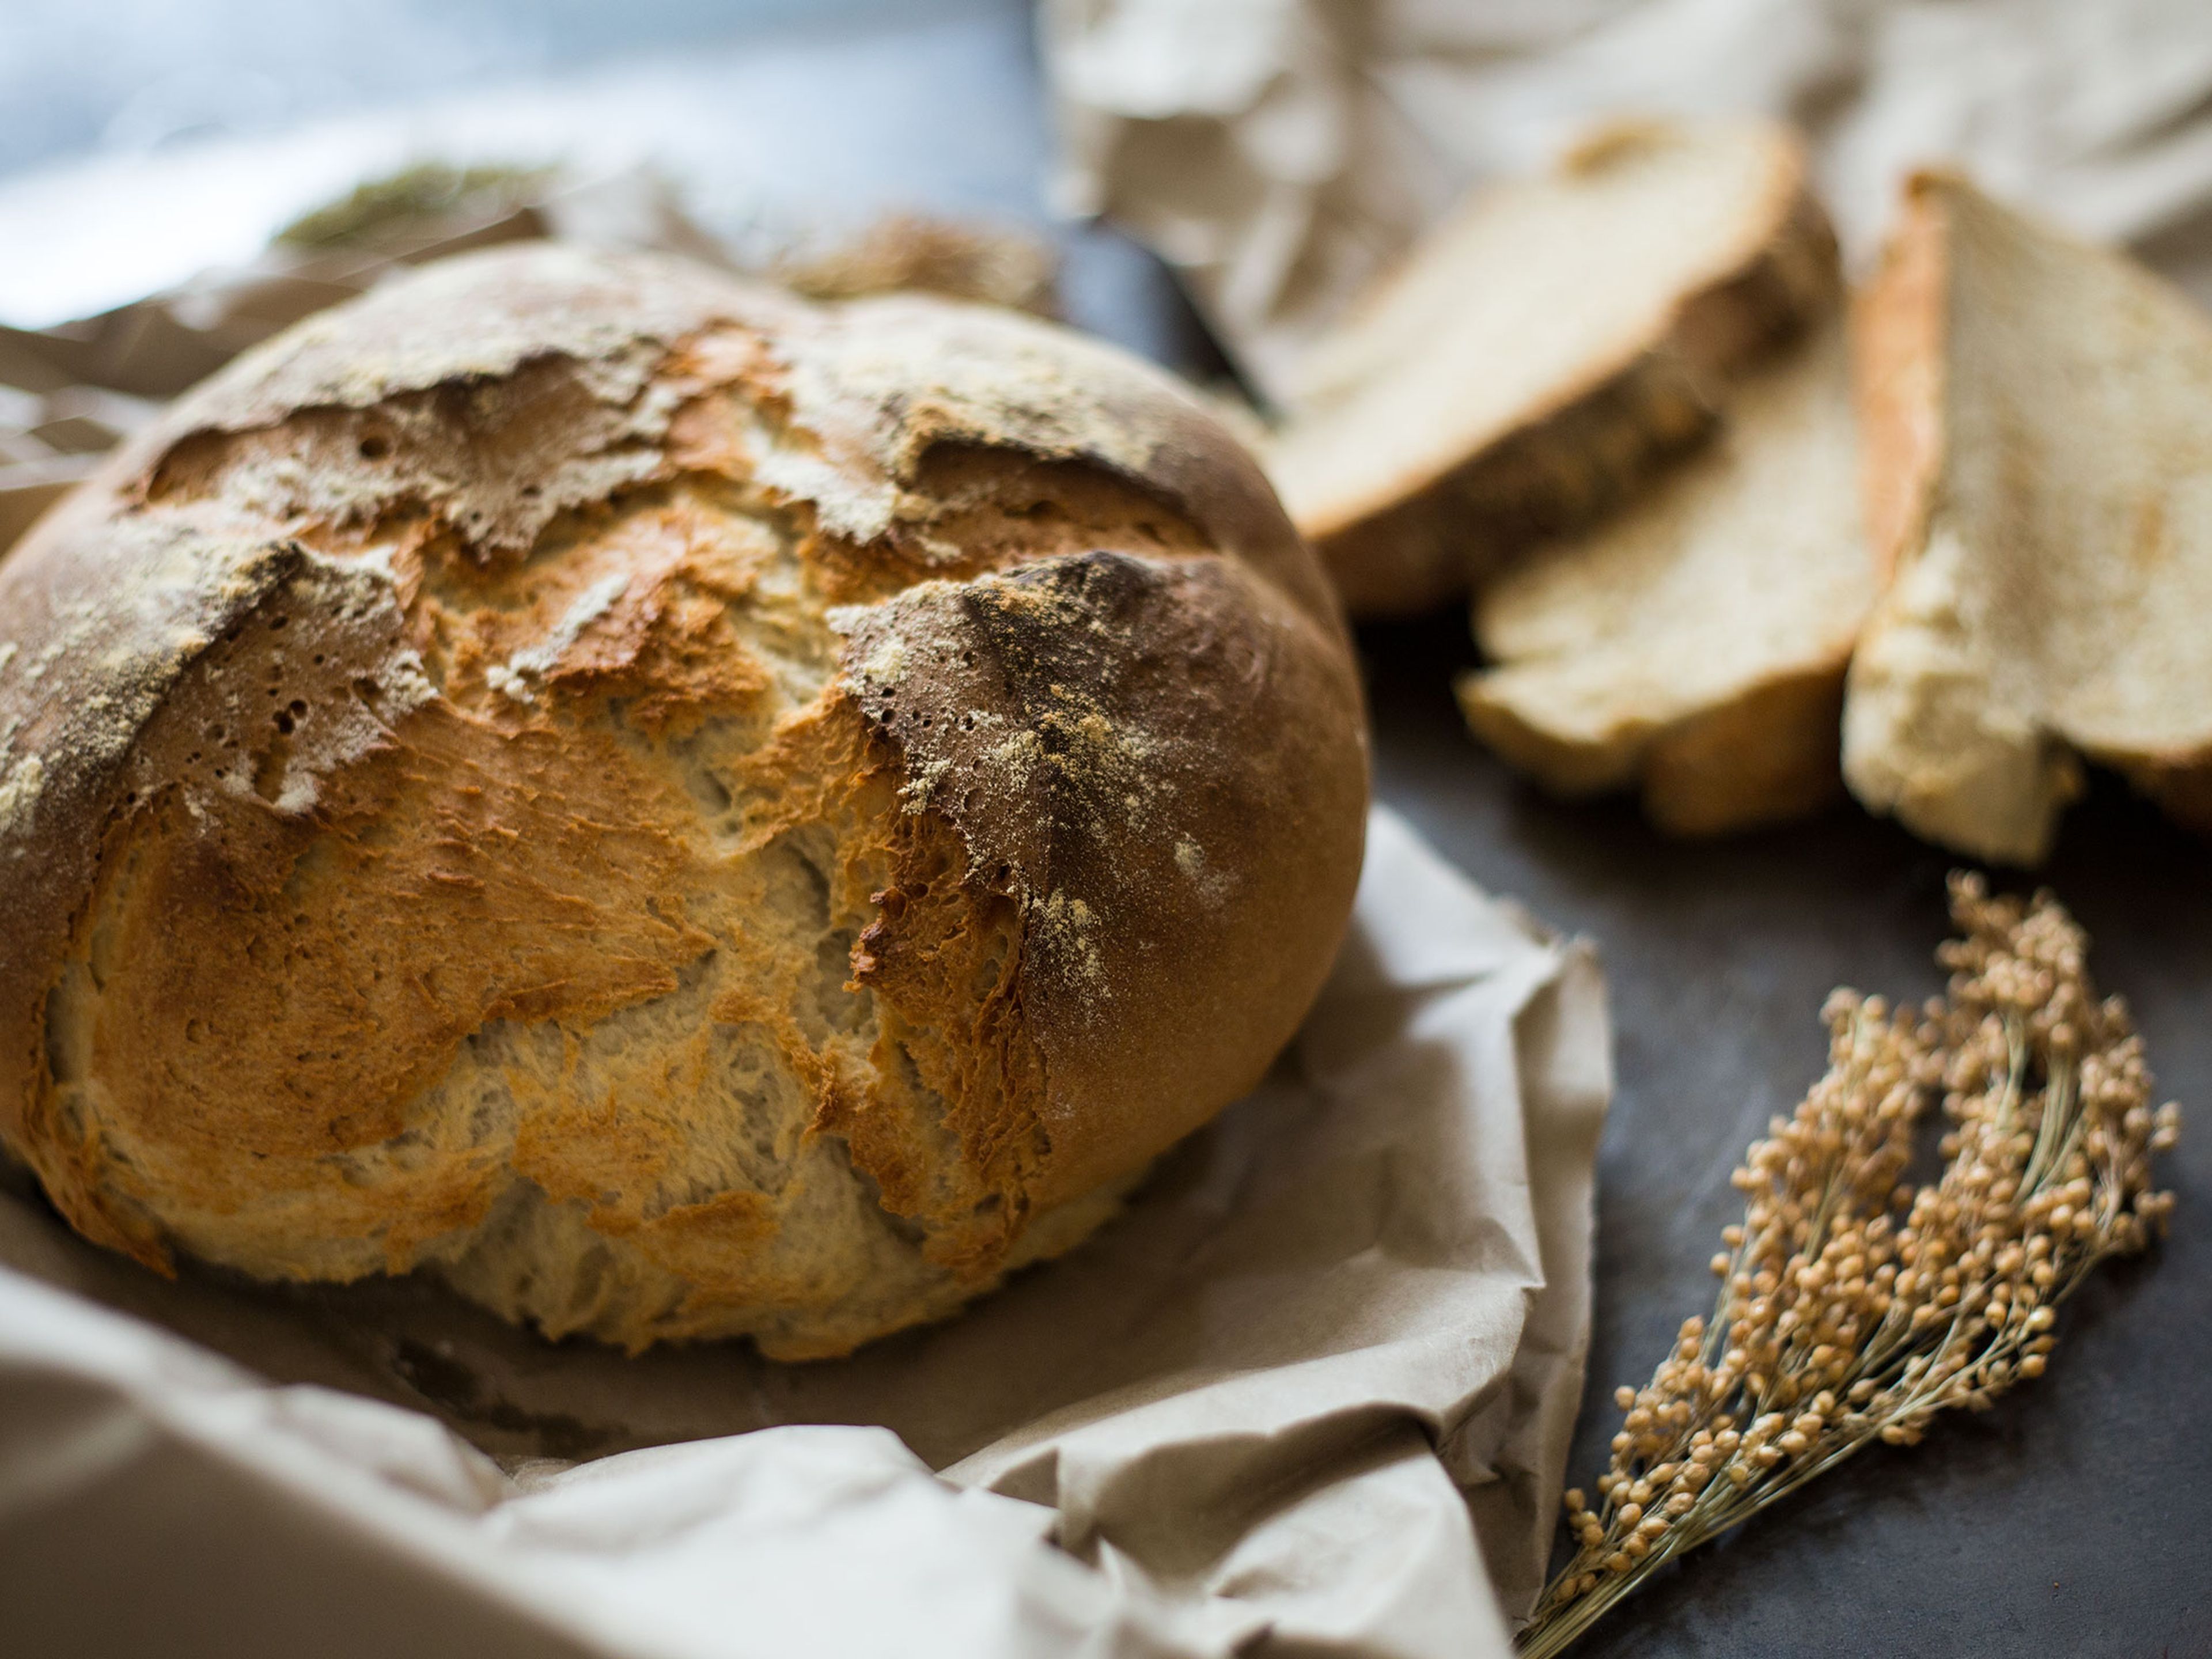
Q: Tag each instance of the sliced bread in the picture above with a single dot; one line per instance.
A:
(1518, 373)
(2037, 414)
(1695, 644)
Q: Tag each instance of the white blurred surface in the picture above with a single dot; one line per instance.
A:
(79, 75)
(793, 136)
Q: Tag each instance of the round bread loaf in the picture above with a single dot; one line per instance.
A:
(683, 812)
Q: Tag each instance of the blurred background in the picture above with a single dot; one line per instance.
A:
(149, 152)
(142, 142)
(1274, 153)
(1214, 178)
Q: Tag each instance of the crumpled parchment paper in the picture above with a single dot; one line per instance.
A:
(1280, 153)
(1311, 1393)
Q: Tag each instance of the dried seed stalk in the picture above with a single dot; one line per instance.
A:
(1852, 1308)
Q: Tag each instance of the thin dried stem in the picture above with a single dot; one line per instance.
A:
(1853, 1308)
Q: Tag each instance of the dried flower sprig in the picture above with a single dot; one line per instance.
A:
(1852, 1307)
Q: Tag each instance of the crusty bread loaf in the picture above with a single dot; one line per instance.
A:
(2039, 439)
(686, 812)
(1695, 644)
(1538, 351)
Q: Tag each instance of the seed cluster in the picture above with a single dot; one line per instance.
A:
(1853, 1307)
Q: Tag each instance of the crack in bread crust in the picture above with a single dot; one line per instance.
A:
(444, 828)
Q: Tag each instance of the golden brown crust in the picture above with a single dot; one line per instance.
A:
(1562, 470)
(428, 776)
(1897, 343)
(1767, 756)
(1096, 726)
(1696, 646)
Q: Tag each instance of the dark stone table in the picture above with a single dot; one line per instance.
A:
(2075, 1518)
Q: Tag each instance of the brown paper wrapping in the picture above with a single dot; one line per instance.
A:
(1281, 153)
(1311, 1393)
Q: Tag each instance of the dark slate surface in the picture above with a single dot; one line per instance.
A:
(2074, 1519)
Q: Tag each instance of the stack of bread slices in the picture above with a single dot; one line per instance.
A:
(1733, 549)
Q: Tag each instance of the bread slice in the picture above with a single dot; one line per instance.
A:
(1518, 373)
(2038, 433)
(1697, 643)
